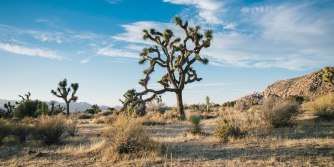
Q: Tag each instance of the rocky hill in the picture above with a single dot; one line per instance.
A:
(310, 85)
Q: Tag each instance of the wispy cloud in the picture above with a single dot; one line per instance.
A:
(33, 51)
(113, 52)
(84, 61)
(114, 1)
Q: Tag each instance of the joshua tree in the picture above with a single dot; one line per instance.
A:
(24, 99)
(173, 55)
(132, 103)
(96, 108)
(207, 100)
(328, 75)
(9, 109)
(52, 109)
(63, 92)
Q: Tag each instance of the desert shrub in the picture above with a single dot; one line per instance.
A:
(106, 113)
(4, 129)
(51, 129)
(21, 131)
(229, 104)
(128, 137)
(195, 127)
(229, 129)
(322, 107)
(72, 126)
(26, 109)
(240, 105)
(85, 116)
(278, 112)
(90, 111)
(296, 98)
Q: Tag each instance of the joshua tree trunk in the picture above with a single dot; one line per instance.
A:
(67, 108)
(180, 104)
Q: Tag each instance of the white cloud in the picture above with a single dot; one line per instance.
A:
(29, 51)
(133, 32)
(295, 37)
(209, 10)
(112, 52)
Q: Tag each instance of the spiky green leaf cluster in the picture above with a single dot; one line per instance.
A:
(327, 74)
(202, 60)
(164, 81)
(178, 20)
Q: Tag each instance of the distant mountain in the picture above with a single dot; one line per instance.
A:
(74, 106)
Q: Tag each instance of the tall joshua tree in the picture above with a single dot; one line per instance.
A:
(173, 55)
(63, 92)
(328, 75)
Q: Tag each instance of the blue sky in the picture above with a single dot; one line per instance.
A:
(97, 44)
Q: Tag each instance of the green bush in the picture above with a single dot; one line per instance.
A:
(4, 129)
(26, 109)
(278, 112)
(322, 107)
(51, 130)
(195, 127)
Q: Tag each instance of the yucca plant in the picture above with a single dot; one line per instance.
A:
(195, 127)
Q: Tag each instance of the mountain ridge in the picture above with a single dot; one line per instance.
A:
(74, 106)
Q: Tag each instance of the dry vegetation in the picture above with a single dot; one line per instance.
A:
(233, 138)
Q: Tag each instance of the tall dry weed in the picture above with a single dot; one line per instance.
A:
(322, 107)
(128, 139)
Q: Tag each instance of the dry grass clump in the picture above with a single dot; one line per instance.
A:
(128, 140)
(278, 112)
(322, 107)
(51, 130)
(72, 126)
(171, 114)
(153, 118)
(106, 119)
(227, 129)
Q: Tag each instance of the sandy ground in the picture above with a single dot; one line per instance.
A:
(292, 146)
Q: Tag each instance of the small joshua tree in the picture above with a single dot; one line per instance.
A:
(328, 75)
(138, 108)
(207, 100)
(96, 108)
(24, 99)
(173, 55)
(52, 109)
(10, 110)
(63, 92)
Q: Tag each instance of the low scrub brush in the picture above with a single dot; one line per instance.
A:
(51, 129)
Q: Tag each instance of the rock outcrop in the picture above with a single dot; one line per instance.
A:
(309, 86)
